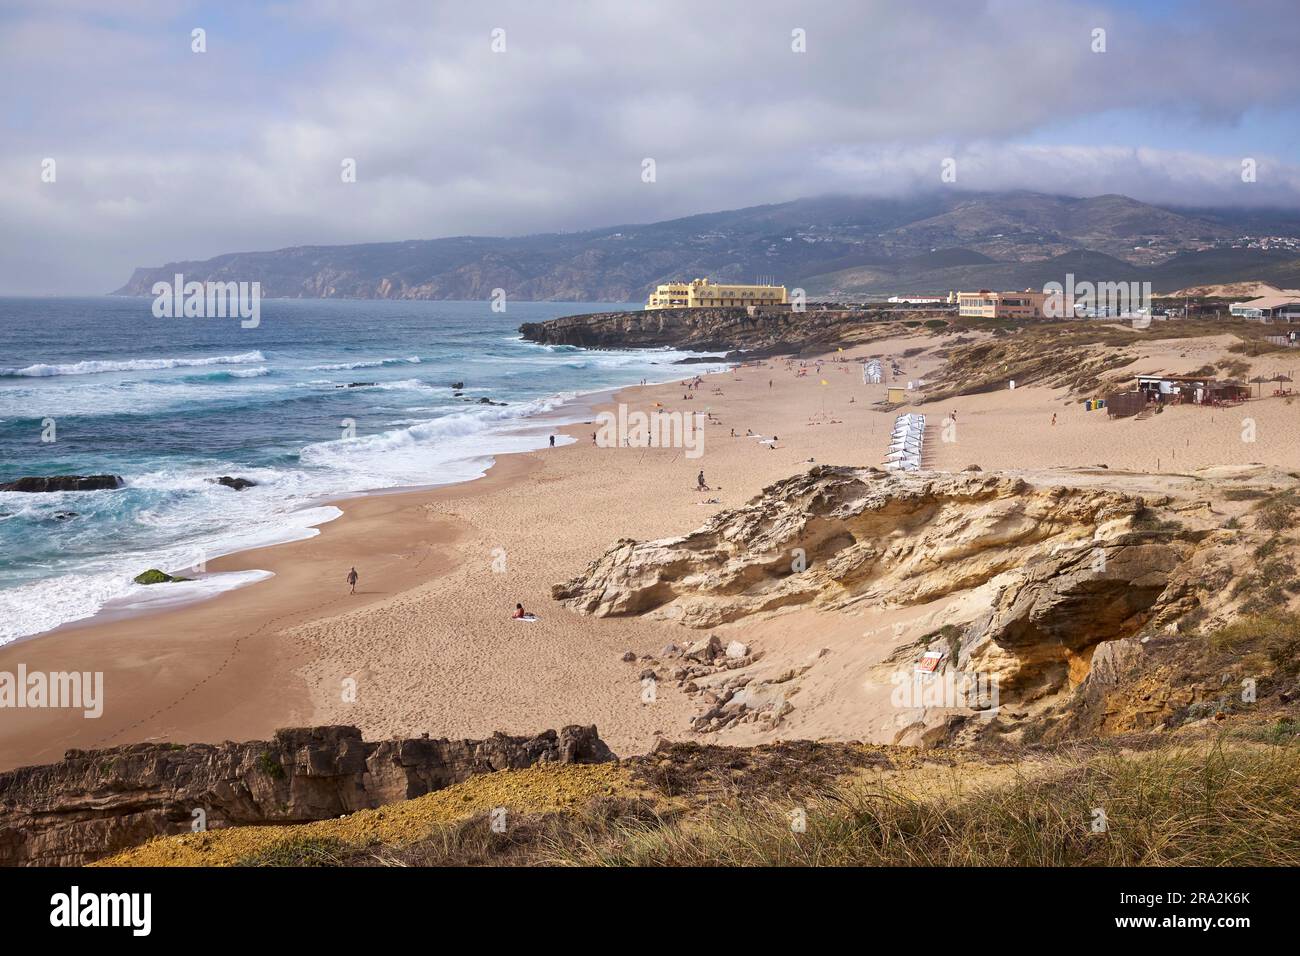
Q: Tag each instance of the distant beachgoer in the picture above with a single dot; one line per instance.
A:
(519, 612)
(699, 482)
(1053, 418)
(552, 441)
(352, 581)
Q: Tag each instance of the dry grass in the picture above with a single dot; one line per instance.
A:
(1218, 806)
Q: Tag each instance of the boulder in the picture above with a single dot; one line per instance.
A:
(736, 649)
(239, 484)
(64, 483)
(154, 576)
(704, 650)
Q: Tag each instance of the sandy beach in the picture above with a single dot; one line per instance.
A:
(428, 643)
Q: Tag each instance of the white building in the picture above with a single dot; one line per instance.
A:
(1283, 307)
(916, 299)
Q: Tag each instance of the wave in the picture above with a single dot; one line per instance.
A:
(98, 367)
(455, 447)
(227, 374)
(370, 363)
(43, 604)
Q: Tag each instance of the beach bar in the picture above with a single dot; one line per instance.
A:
(1175, 389)
(1154, 391)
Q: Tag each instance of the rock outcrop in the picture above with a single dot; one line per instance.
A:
(63, 483)
(238, 484)
(1037, 577)
(96, 802)
(766, 332)
(154, 576)
(834, 536)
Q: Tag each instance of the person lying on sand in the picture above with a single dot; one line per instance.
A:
(522, 615)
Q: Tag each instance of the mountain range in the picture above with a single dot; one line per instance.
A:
(831, 246)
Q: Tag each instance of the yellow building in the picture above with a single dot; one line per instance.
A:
(703, 294)
(1001, 305)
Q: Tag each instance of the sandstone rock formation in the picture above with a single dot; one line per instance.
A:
(1037, 576)
(95, 802)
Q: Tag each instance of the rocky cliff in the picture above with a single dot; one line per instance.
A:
(96, 802)
(767, 332)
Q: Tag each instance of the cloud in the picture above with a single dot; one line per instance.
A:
(166, 154)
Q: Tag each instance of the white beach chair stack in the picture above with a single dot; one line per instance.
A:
(905, 443)
(871, 372)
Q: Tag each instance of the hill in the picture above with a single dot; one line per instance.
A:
(828, 245)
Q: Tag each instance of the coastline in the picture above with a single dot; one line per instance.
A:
(428, 643)
(227, 667)
(157, 658)
(116, 610)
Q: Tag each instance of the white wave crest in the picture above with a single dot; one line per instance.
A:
(98, 367)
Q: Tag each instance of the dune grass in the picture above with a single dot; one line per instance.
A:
(1222, 805)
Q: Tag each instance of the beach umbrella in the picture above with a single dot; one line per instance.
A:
(1258, 380)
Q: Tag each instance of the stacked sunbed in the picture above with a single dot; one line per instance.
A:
(905, 443)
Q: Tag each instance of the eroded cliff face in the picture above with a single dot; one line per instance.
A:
(1019, 582)
(96, 802)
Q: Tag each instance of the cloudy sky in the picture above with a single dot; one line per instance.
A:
(162, 153)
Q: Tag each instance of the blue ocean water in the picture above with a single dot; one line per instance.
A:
(171, 403)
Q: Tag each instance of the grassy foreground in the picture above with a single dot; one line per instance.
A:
(1215, 803)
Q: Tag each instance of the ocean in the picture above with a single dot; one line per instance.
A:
(323, 399)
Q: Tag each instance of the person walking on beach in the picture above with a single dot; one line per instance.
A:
(552, 441)
(699, 482)
(352, 581)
